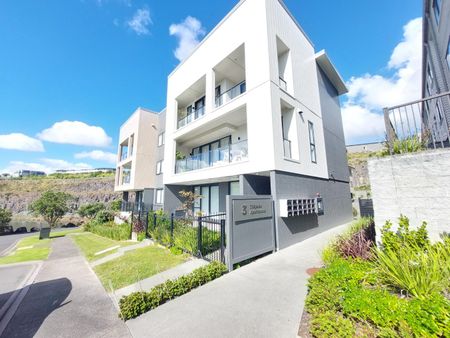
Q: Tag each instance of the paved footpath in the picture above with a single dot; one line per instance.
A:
(66, 300)
(262, 299)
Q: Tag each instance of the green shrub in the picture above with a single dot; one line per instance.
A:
(138, 303)
(90, 210)
(331, 324)
(115, 205)
(5, 217)
(141, 236)
(104, 216)
(118, 232)
(421, 272)
(185, 237)
(404, 236)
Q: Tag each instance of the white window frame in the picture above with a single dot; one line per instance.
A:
(159, 196)
(159, 166)
(312, 142)
(161, 139)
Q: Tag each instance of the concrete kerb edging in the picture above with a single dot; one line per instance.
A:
(10, 248)
(10, 307)
(120, 252)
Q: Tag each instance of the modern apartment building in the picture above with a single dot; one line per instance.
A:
(436, 62)
(140, 158)
(254, 110)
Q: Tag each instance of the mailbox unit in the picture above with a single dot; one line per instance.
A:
(301, 206)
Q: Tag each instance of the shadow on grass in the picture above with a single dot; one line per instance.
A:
(41, 300)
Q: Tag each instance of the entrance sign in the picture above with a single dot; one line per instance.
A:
(244, 210)
(250, 229)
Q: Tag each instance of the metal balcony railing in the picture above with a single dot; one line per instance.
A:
(287, 148)
(283, 84)
(418, 124)
(195, 114)
(232, 153)
(231, 93)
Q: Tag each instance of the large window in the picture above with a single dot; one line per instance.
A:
(161, 139)
(437, 5)
(312, 142)
(234, 188)
(126, 173)
(208, 202)
(159, 165)
(159, 196)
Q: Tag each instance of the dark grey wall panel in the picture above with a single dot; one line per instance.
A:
(172, 199)
(333, 129)
(255, 185)
(336, 200)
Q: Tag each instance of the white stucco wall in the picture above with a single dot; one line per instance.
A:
(415, 185)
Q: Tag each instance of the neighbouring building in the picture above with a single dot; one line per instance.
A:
(27, 173)
(254, 110)
(365, 147)
(85, 171)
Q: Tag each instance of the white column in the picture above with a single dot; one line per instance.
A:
(210, 90)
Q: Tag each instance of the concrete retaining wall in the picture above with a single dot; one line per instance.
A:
(415, 185)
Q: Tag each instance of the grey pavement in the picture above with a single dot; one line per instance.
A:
(148, 283)
(262, 299)
(11, 276)
(66, 300)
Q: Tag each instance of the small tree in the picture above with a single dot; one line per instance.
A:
(52, 206)
(90, 210)
(189, 198)
(5, 217)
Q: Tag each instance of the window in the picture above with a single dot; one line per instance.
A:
(161, 139)
(430, 76)
(208, 203)
(437, 5)
(126, 173)
(312, 142)
(131, 145)
(159, 167)
(448, 54)
(159, 196)
(235, 188)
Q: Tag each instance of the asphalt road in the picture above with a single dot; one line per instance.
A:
(8, 240)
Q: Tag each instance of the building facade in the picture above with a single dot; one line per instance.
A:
(254, 110)
(436, 61)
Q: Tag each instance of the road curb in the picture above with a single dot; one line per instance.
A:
(10, 307)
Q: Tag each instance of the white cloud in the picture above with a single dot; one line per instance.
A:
(98, 155)
(368, 94)
(18, 141)
(140, 21)
(47, 165)
(188, 33)
(77, 133)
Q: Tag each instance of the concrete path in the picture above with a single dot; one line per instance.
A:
(262, 299)
(121, 251)
(148, 283)
(8, 242)
(66, 300)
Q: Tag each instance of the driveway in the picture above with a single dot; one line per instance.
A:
(262, 299)
(66, 300)
(8, 241)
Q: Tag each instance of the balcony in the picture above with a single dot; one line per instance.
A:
(231, 153)
(191, 116)
(230, 94)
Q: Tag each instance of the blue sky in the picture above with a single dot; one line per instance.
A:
(92, 62)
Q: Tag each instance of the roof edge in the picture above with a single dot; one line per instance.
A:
(331, 72)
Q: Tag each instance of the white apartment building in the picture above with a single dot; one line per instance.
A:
(254, 110)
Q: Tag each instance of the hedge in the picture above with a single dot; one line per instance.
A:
(138, 303)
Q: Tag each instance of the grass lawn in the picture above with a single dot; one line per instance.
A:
(136, 265)
(33, 249)
(90, 243)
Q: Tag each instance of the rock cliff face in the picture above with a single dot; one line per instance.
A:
(17, 194)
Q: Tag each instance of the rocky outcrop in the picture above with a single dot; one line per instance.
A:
(18, 194)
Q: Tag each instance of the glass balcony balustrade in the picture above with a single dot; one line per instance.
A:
(231, 93)
(190, 117)
(235, 152)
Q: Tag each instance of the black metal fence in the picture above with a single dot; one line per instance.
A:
(203, 237)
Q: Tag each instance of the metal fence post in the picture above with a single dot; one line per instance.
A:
(154, 220)
(199, 236)
(146, 224)
(222, 240)
(171, 226)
